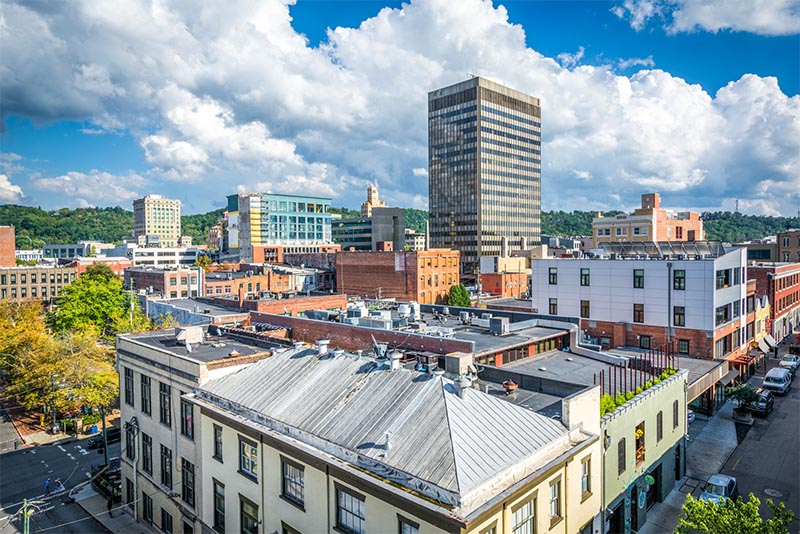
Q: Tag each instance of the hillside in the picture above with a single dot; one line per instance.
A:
(36, 226)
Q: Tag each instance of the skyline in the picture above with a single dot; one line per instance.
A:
(199, 104)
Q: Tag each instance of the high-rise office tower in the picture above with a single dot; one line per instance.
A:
(484, 157)
(157, 221)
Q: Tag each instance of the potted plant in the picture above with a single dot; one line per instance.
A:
(741, 395)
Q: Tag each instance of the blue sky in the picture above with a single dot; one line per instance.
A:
(102, 107)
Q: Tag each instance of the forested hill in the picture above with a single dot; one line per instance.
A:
(36, 226)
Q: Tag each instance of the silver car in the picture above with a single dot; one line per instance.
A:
(718, 488)
(791, 362)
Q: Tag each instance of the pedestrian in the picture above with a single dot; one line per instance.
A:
(47, 487)
(110, 507)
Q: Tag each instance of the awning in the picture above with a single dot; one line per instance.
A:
(770, 340)
(728, 378)
(763, 346)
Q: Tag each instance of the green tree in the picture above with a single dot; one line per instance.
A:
(742, 394)
(733, 516)
(204, 262)
(459, 297)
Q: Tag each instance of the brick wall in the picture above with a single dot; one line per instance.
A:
(7, 247)
(701, 342)
(350, 337)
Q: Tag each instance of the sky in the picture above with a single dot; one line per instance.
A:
(103, 103)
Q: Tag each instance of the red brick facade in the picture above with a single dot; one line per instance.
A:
(781, 283)
(701, 342)
(8, 245)
(506, 285)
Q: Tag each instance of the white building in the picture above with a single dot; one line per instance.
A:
(158, 256)
(29, 255)
(690, 294)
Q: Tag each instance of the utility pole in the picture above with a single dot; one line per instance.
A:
(131, 306)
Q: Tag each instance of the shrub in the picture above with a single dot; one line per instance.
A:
(629, 395)
(671, 370)
(91, 418)
(648, 385)
(665, 375)
(620, 399)
(638, 390)
(606, 404)
(656, 380)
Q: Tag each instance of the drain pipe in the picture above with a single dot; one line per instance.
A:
(669, 306)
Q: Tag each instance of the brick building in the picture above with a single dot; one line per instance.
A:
(789, 246)
(422, 276)
(651, 222)
(117, 265)
(780, 283)
(180, 282)
(8, 246)
(252, 282)
(276, 253)
(691, 295)
(29, 283)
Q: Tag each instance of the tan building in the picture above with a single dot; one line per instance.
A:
(789, 246)
(422, 276)
(651, 222)
(157, 217)
(373, 201)
(28, 283)
(8, 257)
(357, 446)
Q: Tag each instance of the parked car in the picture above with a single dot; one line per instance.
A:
(764, 404)
(114, 434)
(791, 362)
(718, 488)
(778, 379)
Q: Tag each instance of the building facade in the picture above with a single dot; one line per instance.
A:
(789, 246)
(415, 240)
(266, 219)
(651, 222)
(364, 233)
(780, 283)
(425, 277)
(373, 201)
(8, 246)
(649, 301)
(484, 156)
(40, 282)
(174, 283)
(158, 220)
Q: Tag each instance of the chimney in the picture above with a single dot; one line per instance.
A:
(394, 360)
(462, 383)
(322, 346)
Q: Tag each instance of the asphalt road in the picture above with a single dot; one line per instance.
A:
(22, 476)
(766, 462)
(7, 431)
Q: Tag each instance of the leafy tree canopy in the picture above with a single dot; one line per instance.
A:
(204, 262)
(459, 297)
(732, 516)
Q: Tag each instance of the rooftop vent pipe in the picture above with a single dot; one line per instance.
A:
(322, 346)
(394, 360)
(298, 345)
(462, 383)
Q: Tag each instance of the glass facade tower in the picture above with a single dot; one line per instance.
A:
(484, 161)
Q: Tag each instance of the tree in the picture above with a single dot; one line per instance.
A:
(733, 516)
(742, 394)
(459, 297)
(204, 262)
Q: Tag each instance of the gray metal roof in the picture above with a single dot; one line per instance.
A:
(442, 445)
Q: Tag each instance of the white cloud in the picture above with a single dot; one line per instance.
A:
(228, 96)
(97, 188)
(765, 17)
(9, 193)
(648, 62)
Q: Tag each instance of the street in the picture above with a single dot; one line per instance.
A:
(766, 462)
(23, 476)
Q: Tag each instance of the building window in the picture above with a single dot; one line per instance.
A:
(584, 276)
(638, 278)
(621, 456)
(165, 403)
(166, 522)
(219, 507)
(679, 279)
(130, 441)
(248, 458)
(586, 477)
(145, 387)
(523, 519)
(349, 511)
(218, 442)
(723, 278)
(248, 516)
(638, 313)
(406, 526)
(674, 415)
(166, 467)
(129, 386)
(553, 276)
(129, 492)
(555, 501)
(679, 315)
(644, 342)
(187, 419)
(292, 486)
(585, 309)
(147, 508)
(553, 307)
(659, 426)
(147, 454)
(187, 482)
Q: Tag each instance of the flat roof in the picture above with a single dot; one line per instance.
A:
(211, 349)
(203, 308)
(547, 405)
(561, 366)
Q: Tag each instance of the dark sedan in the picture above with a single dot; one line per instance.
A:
(763, 405)
(114, 434)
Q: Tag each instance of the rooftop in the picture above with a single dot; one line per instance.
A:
(210, 350)
(202, 307)
(561, 366)
(454, 449)
(665, 249)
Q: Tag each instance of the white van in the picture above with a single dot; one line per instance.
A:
(778, 380)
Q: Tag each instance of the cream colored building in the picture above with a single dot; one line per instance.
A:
(309, 442)
(155, 215)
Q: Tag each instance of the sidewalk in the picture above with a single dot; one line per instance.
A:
(97, 506)
(706, 453)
